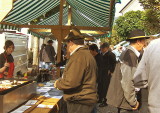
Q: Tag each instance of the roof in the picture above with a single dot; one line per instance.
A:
(85, 14)
(125, 6)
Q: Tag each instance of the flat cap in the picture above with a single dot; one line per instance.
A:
(74, 34)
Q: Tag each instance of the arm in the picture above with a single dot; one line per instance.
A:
(127, 84)
(4, 67)
(62, 63)
(140, 76)
(3, 64)
(112, 62)
(53, 53)
(72, 76)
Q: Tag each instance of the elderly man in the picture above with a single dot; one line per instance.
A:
(147, 75)
(79, 78)
(122, 92)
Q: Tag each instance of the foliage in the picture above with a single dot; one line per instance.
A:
(152, 15)
(130, 21)
(151, 22)
(150, 4)
(115, 38)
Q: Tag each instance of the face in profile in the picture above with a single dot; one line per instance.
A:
(92, 52)
(70, 46)
(10, 49)
(141, 44)
(103, 50)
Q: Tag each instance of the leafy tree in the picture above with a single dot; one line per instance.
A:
(151, 22)
(150, 4)
(130, 21)
(115, 38)
(152, 15)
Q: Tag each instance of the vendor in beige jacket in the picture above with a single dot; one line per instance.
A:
(79, 78)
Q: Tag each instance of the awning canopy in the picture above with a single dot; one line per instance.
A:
(90, 12)
(59, 16)
(25, 11)
(84, 14)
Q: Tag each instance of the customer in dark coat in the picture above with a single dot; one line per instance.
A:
(98, 57)
(108, 65)
(79, 77)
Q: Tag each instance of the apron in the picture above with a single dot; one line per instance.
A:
(10, 70)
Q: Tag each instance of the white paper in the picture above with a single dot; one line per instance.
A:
(17, 112)
(45, 106)
(58, 97)
(49, 83)
(46, 95)
(21, 109)
(31, 102)
(48, 87)
(43, 90)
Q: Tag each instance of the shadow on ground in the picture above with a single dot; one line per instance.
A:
(107, 109)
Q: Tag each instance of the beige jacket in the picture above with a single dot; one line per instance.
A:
(79, 78)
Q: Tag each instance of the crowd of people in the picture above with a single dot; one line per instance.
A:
(127, 79)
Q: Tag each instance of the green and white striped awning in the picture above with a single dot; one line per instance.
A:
(25, 11)
(54, 19)
(91, 12)
(4, 26)
(36, 35)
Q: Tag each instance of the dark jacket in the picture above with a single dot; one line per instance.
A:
(109, 62)
(40, 54)
(79, 78)
(50, 52)
(99, 62)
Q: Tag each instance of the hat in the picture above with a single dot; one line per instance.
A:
(104, 45)
(49, 41)
(137, 34)
(74, 34)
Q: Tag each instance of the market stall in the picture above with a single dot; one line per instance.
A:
(47, 100)
(15, 92)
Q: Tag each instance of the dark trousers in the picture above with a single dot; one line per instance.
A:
(143, 100)
(127, 111)
(79, 108)
(103, 85)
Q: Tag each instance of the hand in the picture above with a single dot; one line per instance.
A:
(5, 73)
(55, 83)
(6, 65)
(136, 106)
(53, 65)
(109, 72)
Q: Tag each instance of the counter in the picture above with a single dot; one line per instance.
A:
(12, 95)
